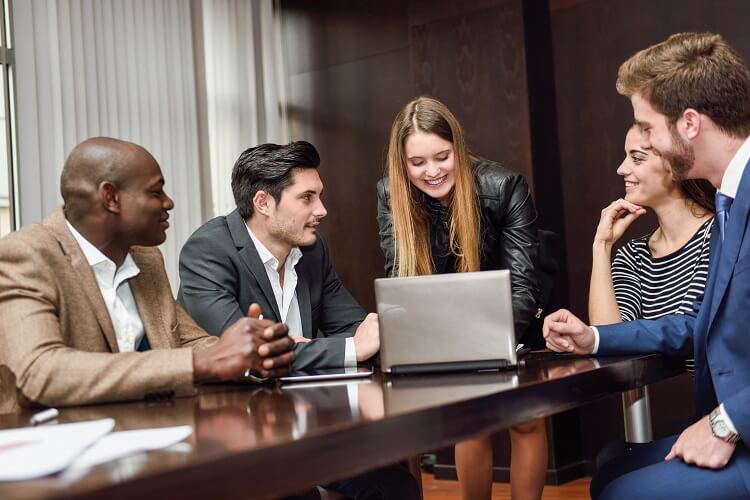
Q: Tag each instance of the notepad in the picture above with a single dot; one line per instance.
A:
(33, 452)
(124, 443)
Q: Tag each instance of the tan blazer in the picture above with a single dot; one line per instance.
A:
(57, 343)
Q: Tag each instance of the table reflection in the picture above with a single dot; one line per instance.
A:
(281, 413)
(244, 422)
(570, 367)
(409, 393)
(235, 421)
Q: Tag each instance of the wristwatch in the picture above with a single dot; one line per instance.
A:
(720, 429)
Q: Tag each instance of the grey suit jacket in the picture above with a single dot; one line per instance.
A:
(57, 343)
(221, 274)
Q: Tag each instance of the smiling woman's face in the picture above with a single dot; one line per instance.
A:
(647, 176)
(430, 165)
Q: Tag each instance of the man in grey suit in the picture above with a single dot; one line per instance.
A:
(269, 251)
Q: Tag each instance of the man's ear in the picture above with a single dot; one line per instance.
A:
(110, 197)
(689, 124)
(263, 203)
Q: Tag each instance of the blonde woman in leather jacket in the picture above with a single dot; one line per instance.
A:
(443, 210)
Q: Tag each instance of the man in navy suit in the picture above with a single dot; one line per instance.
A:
(691, 100)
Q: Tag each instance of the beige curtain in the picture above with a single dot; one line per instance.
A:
(244, 90)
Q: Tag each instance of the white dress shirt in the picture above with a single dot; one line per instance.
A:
(730, 183)
(113, 284)
(286, 293)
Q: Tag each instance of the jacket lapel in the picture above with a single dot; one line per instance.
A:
(251, 259)
(303, 300)
(730, 247)
(146, 300)
(56, 224)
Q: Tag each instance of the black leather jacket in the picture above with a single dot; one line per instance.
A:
(509, 233)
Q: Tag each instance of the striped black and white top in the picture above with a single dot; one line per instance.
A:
(648, 287)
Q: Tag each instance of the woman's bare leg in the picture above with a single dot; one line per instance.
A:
(528, 460)
(474, 468)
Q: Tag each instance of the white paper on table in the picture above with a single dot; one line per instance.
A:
(32, 452)
(120, 444)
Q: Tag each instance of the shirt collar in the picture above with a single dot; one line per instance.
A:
(730, 183)
(95, 257)
(267, 257)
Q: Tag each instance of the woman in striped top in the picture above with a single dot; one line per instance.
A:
(649, 287)
(665, 271)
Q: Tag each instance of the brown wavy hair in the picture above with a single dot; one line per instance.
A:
(701, 194)
(692, 70)
(411, 225)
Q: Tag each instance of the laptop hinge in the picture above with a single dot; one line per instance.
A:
(454, 366)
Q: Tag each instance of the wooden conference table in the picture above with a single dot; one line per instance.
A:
(266, 442)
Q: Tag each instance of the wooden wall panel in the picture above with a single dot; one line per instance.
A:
(474, 62)
(327, 33)
(348, 76)
(346, 111)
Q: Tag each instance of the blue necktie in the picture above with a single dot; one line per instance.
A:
(723, 202)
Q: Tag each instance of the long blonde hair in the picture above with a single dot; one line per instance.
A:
(411, 225)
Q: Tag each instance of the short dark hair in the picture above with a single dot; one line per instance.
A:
(268, 167)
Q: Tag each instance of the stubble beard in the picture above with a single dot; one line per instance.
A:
(681, 157)
(285, 233)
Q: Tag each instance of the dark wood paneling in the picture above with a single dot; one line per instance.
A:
(545, 147)
(348, 76)
(428, 11)
(326, 33)
(473, 61)
(346, 111)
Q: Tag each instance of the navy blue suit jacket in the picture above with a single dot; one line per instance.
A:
(716, 333)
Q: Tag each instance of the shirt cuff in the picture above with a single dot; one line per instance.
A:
(596, 339)
(350, 353)
(727, 419)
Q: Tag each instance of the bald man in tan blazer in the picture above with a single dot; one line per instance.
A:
(58, 345)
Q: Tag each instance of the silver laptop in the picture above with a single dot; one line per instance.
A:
(446, 322)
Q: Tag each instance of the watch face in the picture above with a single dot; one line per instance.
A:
(721, 429)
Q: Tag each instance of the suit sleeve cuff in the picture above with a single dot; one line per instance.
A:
(350, 353)
(596, 339)
(727, 419)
